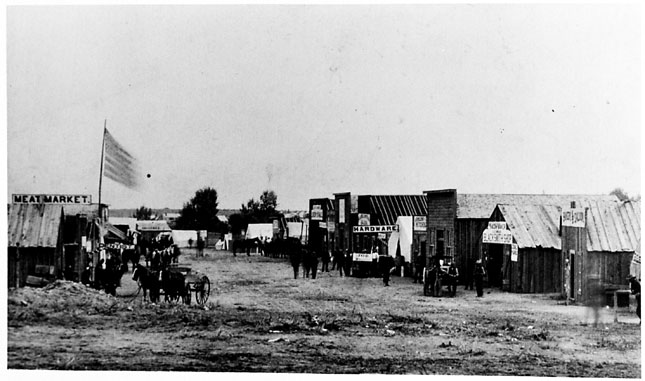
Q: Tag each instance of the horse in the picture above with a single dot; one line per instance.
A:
(174, 285)
(148, 281)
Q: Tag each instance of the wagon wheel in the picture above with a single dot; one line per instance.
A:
(186, 297)
(202, 290)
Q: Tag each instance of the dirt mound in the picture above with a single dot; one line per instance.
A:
(29, 303)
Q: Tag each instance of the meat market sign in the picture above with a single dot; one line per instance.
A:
(51, 198)
(374, 229)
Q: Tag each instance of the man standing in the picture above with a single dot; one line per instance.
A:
(348, 262)
(386, 263)
(453, 276)
(339, 261)
(635, 285)
(479, 278)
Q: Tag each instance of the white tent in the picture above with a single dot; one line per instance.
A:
(259, 230)
(181, 237)
(402, 237)
(298, 230)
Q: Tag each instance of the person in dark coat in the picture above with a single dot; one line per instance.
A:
(386, 264)
(348, 263)
(324, 258)
(453, 276)
(479, 278)
(306, 262)
(635, 286)
(200, 247)
(339, 260)
(313, 263)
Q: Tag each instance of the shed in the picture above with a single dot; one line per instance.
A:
(603, 250)
(535, 232)
(35, 242)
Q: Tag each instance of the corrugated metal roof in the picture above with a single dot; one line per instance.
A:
(533, 225)
(91, 210)
(34, 225)
(614, 228)
(386, 209)
(482, 205)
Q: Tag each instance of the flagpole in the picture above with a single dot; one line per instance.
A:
(101, 174)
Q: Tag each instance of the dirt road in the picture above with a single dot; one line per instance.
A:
(259, 319)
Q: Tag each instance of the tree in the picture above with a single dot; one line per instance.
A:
(200, 213)
(260, 211)
(143, 213)
(268, 203)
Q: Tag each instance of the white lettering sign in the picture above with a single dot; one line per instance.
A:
(574, 218)
(375, 229)
(497, 225)
(420, 223)
(497, 236)
(322, 225)
(52, 198)
(316, 212)
(362, 257)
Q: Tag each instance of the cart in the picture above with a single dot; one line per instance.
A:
(194, 283)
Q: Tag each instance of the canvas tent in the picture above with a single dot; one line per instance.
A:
(259, 230)
(298, 230)
(181, 237)
(402, 238)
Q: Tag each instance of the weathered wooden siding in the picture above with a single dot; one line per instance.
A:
(468, 246)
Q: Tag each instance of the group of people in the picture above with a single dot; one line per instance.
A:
(309, 259)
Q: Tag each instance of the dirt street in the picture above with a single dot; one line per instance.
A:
(259, 319)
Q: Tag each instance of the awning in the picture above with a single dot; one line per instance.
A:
(114, 233)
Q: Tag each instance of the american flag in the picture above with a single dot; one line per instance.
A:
(118, 164)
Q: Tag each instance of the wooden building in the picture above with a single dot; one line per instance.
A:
(456, 223)
(35, 242)
(599, 247)
(321, 231)
(81, 238)
(532, 262)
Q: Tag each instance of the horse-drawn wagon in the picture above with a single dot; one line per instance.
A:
(174, 282)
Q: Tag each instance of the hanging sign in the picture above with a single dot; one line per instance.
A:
(341, 211)
(316, 212)
(362, 257)
(363, 219)
(514, 251)
(574, 218)
(497, 236)
(375, 229)
(420, 223)
(322, 225)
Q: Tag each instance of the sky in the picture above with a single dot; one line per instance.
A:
(312, 100)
